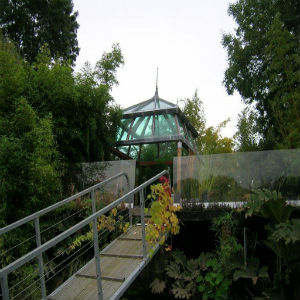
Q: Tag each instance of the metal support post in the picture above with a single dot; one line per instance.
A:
(96, 249)
(40, 257)
(142, 204)
(245, 248)
(130, 211)
(4, 287)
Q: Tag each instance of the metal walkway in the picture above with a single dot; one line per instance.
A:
(111, 271)
(120, 263)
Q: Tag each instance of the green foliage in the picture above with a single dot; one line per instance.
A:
(53, 88)
(228, 247)
(268, 204)
(264, 60)
(251, 271)
(111, 222)
(31, 24)
(163, 219)
(288, 231)
(213, 285)
(210, 140)
(29, 162)
(184, 273)
(106, 68)
(214, 143)
(247, 138)
(283, 236)
(193, 109)
(49, 120)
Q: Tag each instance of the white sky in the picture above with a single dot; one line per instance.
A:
(181, 38)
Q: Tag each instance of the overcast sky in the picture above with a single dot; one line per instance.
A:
(181, 38)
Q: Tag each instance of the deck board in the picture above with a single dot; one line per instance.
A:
(114, 270)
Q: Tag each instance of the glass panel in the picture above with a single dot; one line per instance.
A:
(92, 173)
(233, 176)
(149, 152)
(167, 150)
(137, 122)
(147, 107)
(134, 151)
(185, 152)
(164, 105)
(124, 149)
(165, 125)
(181, 126)
(144, 129)
(151, 106)
(190, 138)
(123, 130)
(148, 128)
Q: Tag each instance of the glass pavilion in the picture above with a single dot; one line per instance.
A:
(154, 130)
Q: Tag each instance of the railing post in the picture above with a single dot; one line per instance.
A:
(40, 257)
(130, 202)
(142, 204)
(130, 212)
(4, 287)
(96, 248)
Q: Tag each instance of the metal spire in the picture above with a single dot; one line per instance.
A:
(156, 79)
(156, 91)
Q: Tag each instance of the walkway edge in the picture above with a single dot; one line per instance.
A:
(122, 289)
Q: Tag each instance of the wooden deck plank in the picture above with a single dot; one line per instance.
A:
(113, 270)
(134, 232)
(125, 247)
(112, 267)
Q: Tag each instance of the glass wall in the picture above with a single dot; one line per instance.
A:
(232, 176)
(92, 173)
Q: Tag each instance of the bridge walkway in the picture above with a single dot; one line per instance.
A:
(109, 274)
(120, 262)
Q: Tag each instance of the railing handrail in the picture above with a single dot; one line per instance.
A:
(60, 203)
(49, 244)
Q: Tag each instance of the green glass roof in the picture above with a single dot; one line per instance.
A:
(155, 121)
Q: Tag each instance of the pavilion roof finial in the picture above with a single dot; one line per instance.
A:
(156, 104)
(156, 80)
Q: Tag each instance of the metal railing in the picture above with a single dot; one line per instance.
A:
(36, 218)
(37, 253)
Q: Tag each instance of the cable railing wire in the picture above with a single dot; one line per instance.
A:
(26, 297)
(26, 288)
(59, 222)
(46, 229)
(102, 234)
(6, 251)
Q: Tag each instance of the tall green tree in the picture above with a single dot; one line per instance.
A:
(50, 119)
(32, 24)
(193, 109)
(84, 113)
(263, 55)
(30, 168)
(210, 140)
(247, 138)
(214, 142)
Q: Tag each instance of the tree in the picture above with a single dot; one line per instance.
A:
(50, 119)
(84, 114)
(214, 143)
(247, 138)
(32, 24)
(30, 176)
(209, 140)
(193, 108)
(263, 56)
